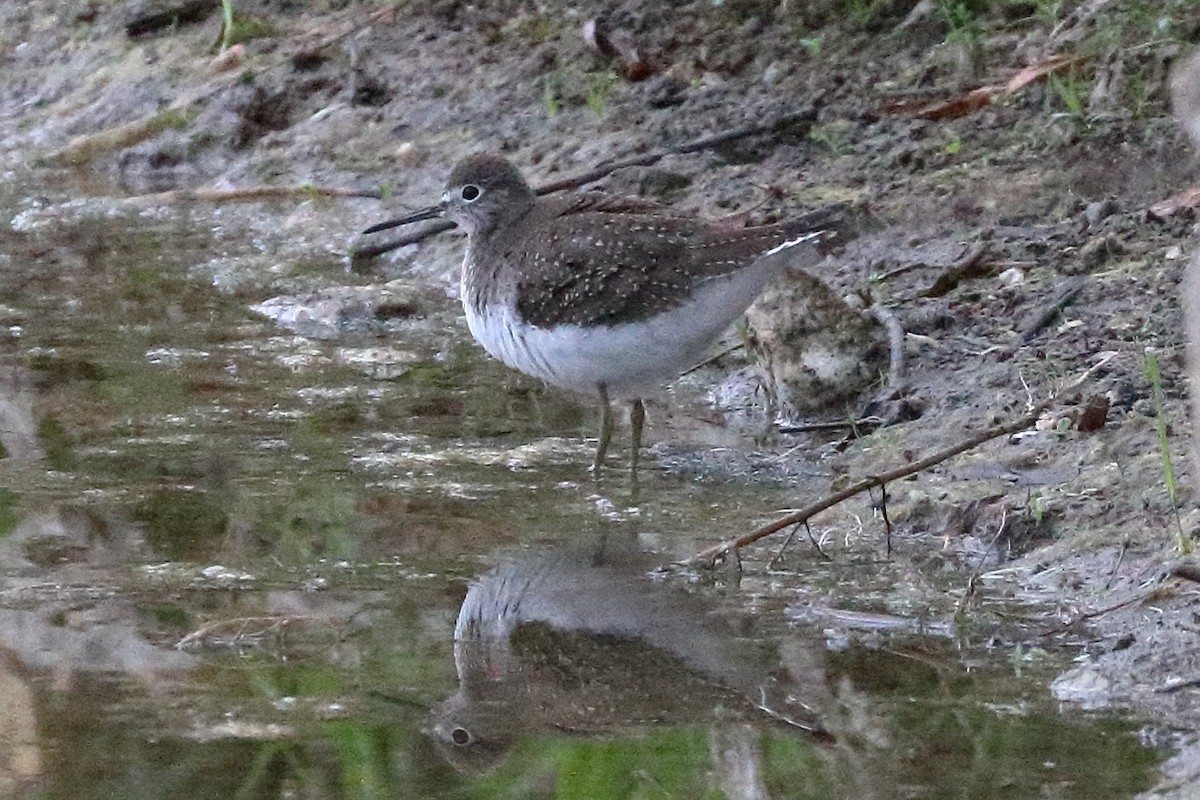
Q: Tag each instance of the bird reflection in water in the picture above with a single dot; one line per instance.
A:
(587, 645)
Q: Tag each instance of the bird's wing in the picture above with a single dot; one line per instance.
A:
(603, 268)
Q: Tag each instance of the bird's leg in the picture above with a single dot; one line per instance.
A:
(637, 416)
(606, 427)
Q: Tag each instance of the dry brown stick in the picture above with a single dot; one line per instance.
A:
(603, 170)
(353, 27)
(715, 357)
(246, 194)
(694, 146)
(1084, 617)
(1063, 298)
(895, 332)
(712, 554)
(815, 427)
(183, 13)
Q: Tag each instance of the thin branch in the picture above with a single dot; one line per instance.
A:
(778, 559)
(818, 427)
(709, 556)
(605, 169)
(973, 580)
(895, 332)
(887, 523)
(247, 194)
(1084, 617)
(695, 145)
(712, 554)
(1065, 295)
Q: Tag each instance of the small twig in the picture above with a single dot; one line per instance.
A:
(180, 14)
(815, 543)
(967, 265)
(605, 169)
(813, 728)
(713, 358)
(1070, 26)
(815, 427)
(1175, 686)
(1025, 386)
(1117, 566)
(354, 27)
(1066, 294)
(709, 556)
(712, 554)
(973, 580)
(895, 333)
(250, 193)
(777, 559)
(1102, 611)
(887, 523)
(695, 145)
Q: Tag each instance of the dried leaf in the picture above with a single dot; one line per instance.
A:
(1034, 72)
(618, 45)
(945, 109)
(1187, 200)
(1094, 415)
(977, 98)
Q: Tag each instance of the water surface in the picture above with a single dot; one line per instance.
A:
(233, 558)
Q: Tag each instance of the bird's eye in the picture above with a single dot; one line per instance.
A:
(461, 736)
(471, 192)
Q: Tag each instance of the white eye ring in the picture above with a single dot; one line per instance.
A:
(471, 193)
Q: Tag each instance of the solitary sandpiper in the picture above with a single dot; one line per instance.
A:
(599, 293)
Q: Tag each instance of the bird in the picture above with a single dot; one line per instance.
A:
(600, 293)
(565, 640)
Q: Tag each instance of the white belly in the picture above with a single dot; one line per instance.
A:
(627, 359)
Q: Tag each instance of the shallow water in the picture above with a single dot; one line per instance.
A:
(233, 557)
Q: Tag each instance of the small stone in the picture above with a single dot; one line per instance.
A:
(1094, 415)
(1099, 210)
(230, 59)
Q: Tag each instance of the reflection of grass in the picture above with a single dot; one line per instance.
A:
(182, 525)
(668, 762)
(981, 753)
(345, 757)
(9, 514)
(599, 86)
(791, 768)
(353, 760)
(317, 520)
(171, 615)
(57, 443)
(137, 389)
